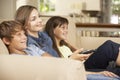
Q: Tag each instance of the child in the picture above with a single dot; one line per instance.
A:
(13, 35)
(57, 29)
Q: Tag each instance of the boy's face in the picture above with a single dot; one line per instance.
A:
(18, 42)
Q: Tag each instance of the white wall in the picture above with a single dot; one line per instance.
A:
(24, 2)
(92, 4)
(64, 7)
(7, 9)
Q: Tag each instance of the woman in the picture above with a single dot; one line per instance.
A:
(29, 17)
(57, 29)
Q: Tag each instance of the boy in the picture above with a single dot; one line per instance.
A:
(13, 36)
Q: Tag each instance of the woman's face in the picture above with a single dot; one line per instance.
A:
(60, 32)
(34, 22)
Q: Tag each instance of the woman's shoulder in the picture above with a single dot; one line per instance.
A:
(43, 34)
(31, 41)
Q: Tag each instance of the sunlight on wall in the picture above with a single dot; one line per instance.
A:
(26, 2)
(114, 19)
(61, 7)
(20, 2)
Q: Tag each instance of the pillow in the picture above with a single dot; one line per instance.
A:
(3, 48)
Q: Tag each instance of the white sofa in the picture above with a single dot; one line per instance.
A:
(19, 67)
(14, 67)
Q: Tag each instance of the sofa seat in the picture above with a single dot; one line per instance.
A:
(19, 67)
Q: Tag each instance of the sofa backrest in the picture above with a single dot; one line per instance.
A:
(71, 28)
(19, 67)
(3, 48)
(95, 42)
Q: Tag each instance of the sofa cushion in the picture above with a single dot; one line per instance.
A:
(95, 42)
(3, 48)
(18, 67)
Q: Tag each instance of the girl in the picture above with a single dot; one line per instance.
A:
(57, 28)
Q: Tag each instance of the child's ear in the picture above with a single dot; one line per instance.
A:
(6, 41)
(26, 27)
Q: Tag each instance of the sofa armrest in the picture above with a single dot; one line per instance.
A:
(3, 48)
(17, 67)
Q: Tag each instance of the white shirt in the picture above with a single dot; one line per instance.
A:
(65, 51)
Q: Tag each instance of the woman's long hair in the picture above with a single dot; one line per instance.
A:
(23, 13)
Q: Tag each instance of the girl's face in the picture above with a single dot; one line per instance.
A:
(34, 22)
(18, 42)
(60, 32)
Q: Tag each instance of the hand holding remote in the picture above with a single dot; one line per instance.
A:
(87, 51)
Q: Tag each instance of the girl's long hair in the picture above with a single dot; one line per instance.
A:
(51, 24)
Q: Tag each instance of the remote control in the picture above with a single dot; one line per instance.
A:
(87, 51)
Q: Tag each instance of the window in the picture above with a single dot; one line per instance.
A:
(110, 11)
(46, 5)
(115, 17)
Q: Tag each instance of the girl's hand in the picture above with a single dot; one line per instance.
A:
(78, 56)
(78, 51)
